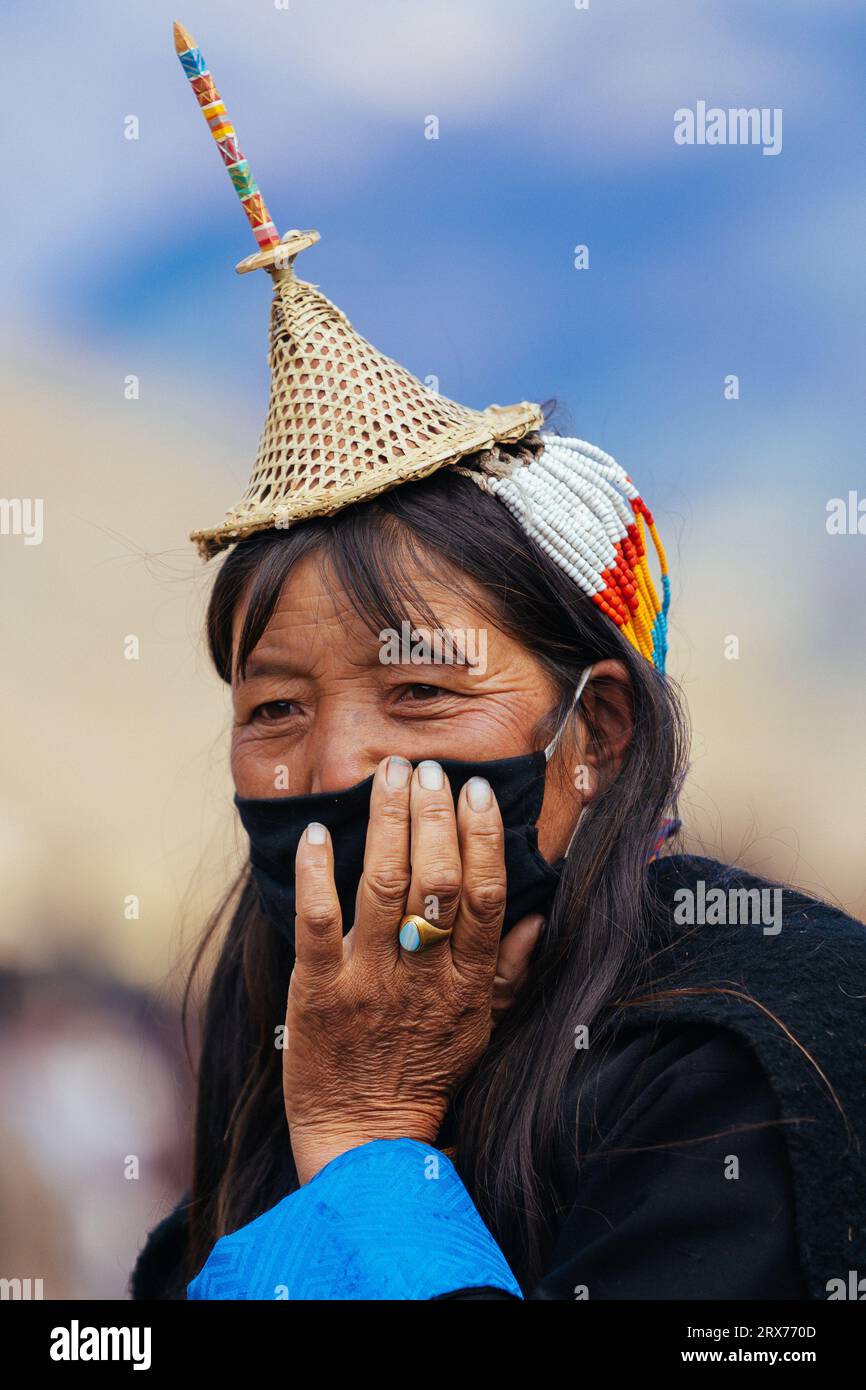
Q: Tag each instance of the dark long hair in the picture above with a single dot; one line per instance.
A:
(592, 955)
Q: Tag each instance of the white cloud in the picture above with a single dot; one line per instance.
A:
(322, 87)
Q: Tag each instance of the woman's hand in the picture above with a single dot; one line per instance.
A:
(378, 1039)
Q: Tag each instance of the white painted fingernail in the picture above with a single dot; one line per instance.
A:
(430, 776)
(398, 772)
(316, 833)
(478, 793)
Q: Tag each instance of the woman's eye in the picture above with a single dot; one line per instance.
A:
(274, 710)
(422, 692)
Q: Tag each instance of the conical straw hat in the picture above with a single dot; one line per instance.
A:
(344, 421)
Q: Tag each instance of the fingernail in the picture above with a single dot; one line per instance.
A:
(430, 776)
(398, 772)
(316, 833)
(478, 793)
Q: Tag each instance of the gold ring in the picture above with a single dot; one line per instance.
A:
(417, 934)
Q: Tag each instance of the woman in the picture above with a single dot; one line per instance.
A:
(611, 1146)
(468, 1035)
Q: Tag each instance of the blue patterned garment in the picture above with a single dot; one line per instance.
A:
(388, 1220)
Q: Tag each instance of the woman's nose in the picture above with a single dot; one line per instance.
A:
(345, 748)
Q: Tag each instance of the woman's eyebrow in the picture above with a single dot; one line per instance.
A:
(259, 666)
(446, 646)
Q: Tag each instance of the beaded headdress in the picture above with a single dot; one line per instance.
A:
(345, 423)
(585, 512)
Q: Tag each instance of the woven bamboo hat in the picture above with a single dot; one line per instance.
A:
(344, 421)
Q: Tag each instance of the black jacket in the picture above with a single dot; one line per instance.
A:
(722, 1130)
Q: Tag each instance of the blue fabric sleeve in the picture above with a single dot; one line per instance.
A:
(388, 1220)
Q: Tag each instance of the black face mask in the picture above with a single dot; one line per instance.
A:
(275, 826)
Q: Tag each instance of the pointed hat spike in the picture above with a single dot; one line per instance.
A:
(214, 111)
(344, 421)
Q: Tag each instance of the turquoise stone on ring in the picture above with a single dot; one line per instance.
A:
(410, 937)
(417, 934)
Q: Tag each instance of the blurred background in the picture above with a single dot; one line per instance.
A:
(135, 385)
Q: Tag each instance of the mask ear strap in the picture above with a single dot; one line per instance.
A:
(554, 742)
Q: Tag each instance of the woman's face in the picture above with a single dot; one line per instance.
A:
(325, 700)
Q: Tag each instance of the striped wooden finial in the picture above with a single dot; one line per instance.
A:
(214, 111)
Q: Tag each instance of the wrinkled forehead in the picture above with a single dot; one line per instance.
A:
(419, 615)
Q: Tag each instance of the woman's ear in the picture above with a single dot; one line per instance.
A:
(588, 756)
(605, 726)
